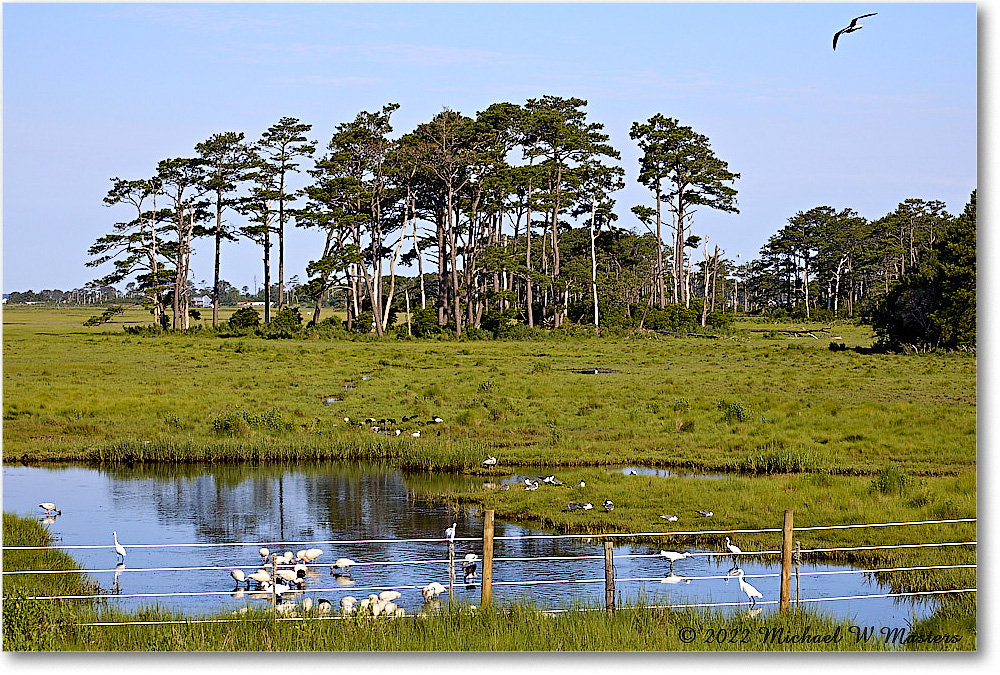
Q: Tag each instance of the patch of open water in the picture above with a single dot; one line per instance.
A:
(290, 508)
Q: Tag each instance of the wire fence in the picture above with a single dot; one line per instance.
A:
(312, 568)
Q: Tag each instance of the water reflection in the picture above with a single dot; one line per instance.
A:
(239, 509)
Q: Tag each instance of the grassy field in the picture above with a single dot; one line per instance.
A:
(840, 436)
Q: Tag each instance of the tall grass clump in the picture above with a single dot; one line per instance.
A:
(238, 422)
(891, 480)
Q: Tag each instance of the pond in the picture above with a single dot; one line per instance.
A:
(186, 528)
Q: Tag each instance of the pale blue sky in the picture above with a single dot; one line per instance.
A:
(92, 91)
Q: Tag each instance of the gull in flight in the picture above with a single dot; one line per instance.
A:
(850, 29)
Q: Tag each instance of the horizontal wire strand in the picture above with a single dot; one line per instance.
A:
(334, 542)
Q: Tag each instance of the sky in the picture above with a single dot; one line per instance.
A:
(96, 91)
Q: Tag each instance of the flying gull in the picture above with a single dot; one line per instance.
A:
(850, 29)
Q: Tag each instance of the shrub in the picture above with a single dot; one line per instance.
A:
(736, 412)
(891, 480)
(245, 318)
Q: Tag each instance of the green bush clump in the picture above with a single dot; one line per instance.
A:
(245, 318)
(238, 422)
(736, 412)
(891, 480)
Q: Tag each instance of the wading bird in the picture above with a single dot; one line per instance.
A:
(669, 517)
(609, 505)
(674, 556)
(449, 533)
(119, 549)
(50, 508)
(707, 514)
(850, 29)
(469, 567)
(735, 550)
(586, 506)
(490, 461)
(239, 577)
(752, 593)
(344, 565)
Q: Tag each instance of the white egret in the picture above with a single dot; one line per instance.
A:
(735, 550)
(449, 533)
(119, 549)
(50, 507)
(669, 517)
(752, 593)
(851, 28)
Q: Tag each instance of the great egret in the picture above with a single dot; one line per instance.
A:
(119, 549)
(851, 28)
(49, 508)
(735, 550)
(752, 593)
(449, 533)
(490, 461)
(669, 517)
(609, 505)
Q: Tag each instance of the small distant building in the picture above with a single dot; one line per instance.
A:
(203, 301)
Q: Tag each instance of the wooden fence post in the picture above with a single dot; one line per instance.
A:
(609, 578)
(786, 561)
(487, 590)
(274, 582)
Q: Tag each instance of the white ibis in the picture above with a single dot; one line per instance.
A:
(344, 565)
(307, 604)
(707, 514)
(490, 461)
(586, 506)
(609, 505)
(389, 596)
(669, 517)
(752, 593)
(312, 554)
(239, 577)
(851, 28)
(438, 420)
(264, 553)
(416, 434)
(449, 533)
(119, 549)
(261, 577)
(50, 508)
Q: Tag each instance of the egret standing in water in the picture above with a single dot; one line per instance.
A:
(449, 533)
(752, 593)
(119, 549)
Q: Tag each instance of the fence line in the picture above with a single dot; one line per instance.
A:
(333, 542)
(355, 589)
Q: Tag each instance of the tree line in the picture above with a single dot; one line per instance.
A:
(508, 215)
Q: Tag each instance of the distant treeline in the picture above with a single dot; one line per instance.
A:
(511, 214)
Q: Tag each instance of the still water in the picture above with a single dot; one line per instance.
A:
(296, 507)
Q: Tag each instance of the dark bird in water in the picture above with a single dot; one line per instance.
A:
(850, 29)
